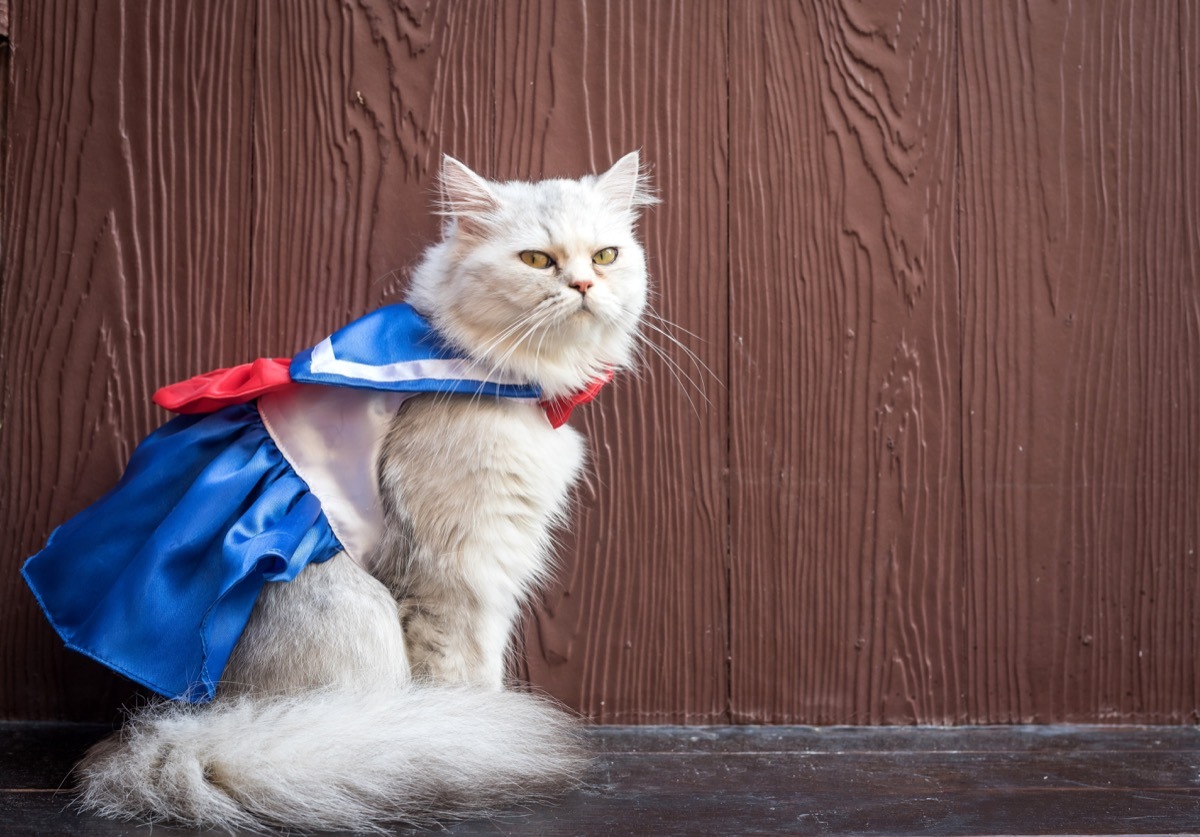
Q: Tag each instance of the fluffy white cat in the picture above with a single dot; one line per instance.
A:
(360, 695)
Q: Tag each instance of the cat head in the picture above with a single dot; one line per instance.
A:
(545, 280)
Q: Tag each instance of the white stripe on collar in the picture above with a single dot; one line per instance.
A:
(324, 362)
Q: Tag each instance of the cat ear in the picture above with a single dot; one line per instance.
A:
(627, 184)
(465, 196)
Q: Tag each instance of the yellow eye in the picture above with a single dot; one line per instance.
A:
(606, 256)
(536, 258)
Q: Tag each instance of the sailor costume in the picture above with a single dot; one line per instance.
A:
(270, 468)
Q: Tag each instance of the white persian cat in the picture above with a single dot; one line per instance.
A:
(360, 696)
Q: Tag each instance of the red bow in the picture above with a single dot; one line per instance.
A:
(558, 410)
(211, 391)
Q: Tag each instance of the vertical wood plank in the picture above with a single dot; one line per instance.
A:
(356, 103)
(1081, 359)
(845, 587)
(126, 238)
(634, 631)
(1189, 78)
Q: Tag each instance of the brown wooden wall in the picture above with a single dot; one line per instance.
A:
(942, 260)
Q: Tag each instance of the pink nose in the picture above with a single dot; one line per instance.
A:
(582, 285)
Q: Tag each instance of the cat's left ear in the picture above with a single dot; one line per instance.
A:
(465, 196)
(627, 184)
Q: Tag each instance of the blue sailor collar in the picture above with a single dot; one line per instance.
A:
(396, 349)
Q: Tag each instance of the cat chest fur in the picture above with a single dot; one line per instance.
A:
(466, 477)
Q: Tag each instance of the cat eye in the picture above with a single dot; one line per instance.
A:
(536, 258)
(606, 256)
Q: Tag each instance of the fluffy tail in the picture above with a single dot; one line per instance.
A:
(334, 759)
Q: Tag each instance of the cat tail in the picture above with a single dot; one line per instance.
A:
(334, 759)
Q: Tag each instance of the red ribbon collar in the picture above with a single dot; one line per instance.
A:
(558, 410)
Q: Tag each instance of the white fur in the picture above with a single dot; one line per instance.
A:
(331, 759)
(358, 698)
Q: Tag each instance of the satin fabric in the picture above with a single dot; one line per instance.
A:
(157, 578)
(211, 391)
(395, 349)
(333, 438)
(558, 410)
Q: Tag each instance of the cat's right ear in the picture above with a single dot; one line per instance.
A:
(465, 196)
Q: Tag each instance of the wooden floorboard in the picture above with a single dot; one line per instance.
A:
(772, 780)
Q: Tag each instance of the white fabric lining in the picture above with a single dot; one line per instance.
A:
(332, 438)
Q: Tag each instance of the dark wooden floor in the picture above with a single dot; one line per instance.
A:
(775, 780)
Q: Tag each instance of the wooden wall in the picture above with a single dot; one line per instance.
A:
(937, 456)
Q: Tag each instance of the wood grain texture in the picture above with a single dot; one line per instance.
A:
(846, 580)
(355, 105)
(126, 236)
(1081, 343)
(635, 630)
(942, 260)
(1189, 83)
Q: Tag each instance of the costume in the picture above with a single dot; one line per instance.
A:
(270, 468)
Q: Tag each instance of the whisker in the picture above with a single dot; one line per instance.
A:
(676, 371)
(692, 356)
(650, 312)
(541, 314)
(525, 335)
(486, 350)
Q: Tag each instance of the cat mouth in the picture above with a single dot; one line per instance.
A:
(585, 310)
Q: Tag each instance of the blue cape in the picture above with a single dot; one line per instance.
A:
(158, 578)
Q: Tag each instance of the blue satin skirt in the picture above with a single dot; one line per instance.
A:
(157, 579)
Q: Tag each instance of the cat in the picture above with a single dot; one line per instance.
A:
(373, 690)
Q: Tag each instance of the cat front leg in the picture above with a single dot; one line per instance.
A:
(471, 490)
(457, 630)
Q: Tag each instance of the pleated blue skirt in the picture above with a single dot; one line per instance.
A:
(157, 579)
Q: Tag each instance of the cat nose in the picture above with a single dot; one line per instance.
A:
(582, 285)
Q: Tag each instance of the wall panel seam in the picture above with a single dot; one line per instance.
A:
(727, 476)
(962, 617)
